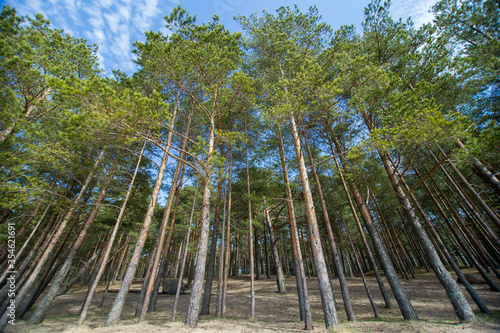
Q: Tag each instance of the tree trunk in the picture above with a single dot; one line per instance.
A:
(201, 258)
(119, 302)
(43, 308)
(250, 243)
(207, 295)
(333, 245)
(330, 314)
(402, 299)
(300, 276)
(100, 272)
(457, 299)
(184, 256)
(477, 299)
(373, 263)
(483, 172)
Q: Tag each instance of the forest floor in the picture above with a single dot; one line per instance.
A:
(276, 312)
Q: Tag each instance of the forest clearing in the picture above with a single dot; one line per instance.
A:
(294, 176)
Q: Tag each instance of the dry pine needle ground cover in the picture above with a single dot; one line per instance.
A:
(276, 312)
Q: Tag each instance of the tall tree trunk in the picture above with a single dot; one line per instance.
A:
(469, 205)
(402, 299)
(184, 256)
(207, 295)
(220, 273)
(250, 243)
(491, 214)
(43, 308)
(155, 278)
(477, 299)
(117, 308)
(201, 259)
(330, 313)
(162, 269)
(100, 272)
(333, 245)
(465, 248)
(227, 261)
(457, 299)
(373, 263)
(300, 276)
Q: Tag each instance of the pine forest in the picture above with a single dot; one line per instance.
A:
(285, 177)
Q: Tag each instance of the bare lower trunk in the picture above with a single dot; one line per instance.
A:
(330, 313)
(207, 294)
(100, 272)
(333, 245)
(300, 276)
(201, 258)
(457, 299)
(184, 256)
(402, 299)
(250, 243)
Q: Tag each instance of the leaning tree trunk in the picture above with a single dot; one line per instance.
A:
(371, 258)
(402, 299)
(459, 239)
(333, 245)
(119, 302)
(475, 296)
(457, 299)
(300, 276)
(100, 272)
(330, 313)
(483, 172)
(43, 308)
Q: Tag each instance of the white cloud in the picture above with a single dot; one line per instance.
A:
(113, 21)
(419, 10)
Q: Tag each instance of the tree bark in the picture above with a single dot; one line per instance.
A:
(333, 245)
(483, 172)
(100, 272)
(371, 258)
(455, 295)
(118, 304)
(43, 308)
(330, 313)
(402, 299)
(280, 278)
(300, 276)
(199, 273)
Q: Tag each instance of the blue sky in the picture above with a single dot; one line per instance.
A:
(115, 24)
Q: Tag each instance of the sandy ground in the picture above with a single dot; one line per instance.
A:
(276, 312)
